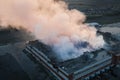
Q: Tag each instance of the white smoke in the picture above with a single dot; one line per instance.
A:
(53, 23)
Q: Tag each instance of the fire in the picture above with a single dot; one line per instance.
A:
(53, 23)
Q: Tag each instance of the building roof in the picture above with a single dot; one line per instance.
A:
(72, 65)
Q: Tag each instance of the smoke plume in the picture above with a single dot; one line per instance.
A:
(54, 24)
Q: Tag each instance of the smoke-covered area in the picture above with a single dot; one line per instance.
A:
(54, 24)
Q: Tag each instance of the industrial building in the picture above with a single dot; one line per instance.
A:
(84, 67)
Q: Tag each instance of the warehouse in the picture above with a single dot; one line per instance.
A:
(84, 67)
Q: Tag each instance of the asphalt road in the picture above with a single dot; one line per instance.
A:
(16, 65)
(25, 66)
(10, 69)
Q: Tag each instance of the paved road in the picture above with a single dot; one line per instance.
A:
(34, 70)
(10, 69)
(12, 42)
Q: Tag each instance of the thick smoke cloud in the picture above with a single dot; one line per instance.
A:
(52, 23)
